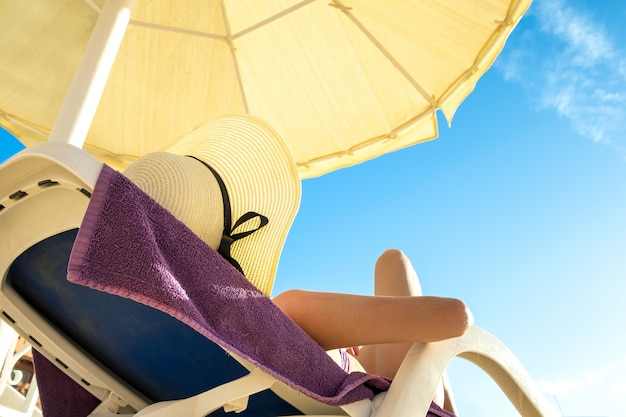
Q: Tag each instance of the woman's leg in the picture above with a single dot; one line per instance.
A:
(394, 275)
(339, 320)
(387, 323)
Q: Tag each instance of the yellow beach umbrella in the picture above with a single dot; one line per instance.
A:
(342, 81)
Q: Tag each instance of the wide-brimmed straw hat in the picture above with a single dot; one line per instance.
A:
(236, 161)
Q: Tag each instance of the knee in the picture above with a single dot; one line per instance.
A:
(392, 257)
(460, 317)
(394, 275)
(290, 302)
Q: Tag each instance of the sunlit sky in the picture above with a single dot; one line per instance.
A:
(518, 208)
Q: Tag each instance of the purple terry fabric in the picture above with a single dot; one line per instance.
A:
(130, 246)
(60, 396)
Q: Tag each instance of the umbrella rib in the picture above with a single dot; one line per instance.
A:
(228, 39)
(271, 19)
(22, 123)
(105, 154)
(347, 11)
(177, 30)
(94, 6)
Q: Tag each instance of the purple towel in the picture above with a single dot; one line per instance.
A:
(60, 396)
(128, 245)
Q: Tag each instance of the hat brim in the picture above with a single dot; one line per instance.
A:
(260, 176)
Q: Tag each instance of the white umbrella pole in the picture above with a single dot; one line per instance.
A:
(80, 104)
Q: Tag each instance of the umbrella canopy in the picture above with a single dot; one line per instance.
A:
(341, 81)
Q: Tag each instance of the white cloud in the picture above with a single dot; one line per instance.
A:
(605, 96)
(586, 41)
(569, 64)
(565, 387)
(619, 389)
(594, 378)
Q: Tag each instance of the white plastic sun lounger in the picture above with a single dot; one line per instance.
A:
(44, 194)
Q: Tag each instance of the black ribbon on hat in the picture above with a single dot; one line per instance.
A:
(228, 235)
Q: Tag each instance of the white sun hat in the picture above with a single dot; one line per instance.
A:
(234, 183)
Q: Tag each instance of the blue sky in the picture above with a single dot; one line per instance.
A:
(518, 209)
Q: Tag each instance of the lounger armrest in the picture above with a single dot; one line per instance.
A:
(413, 388)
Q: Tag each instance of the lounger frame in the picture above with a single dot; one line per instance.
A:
(45, 190)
